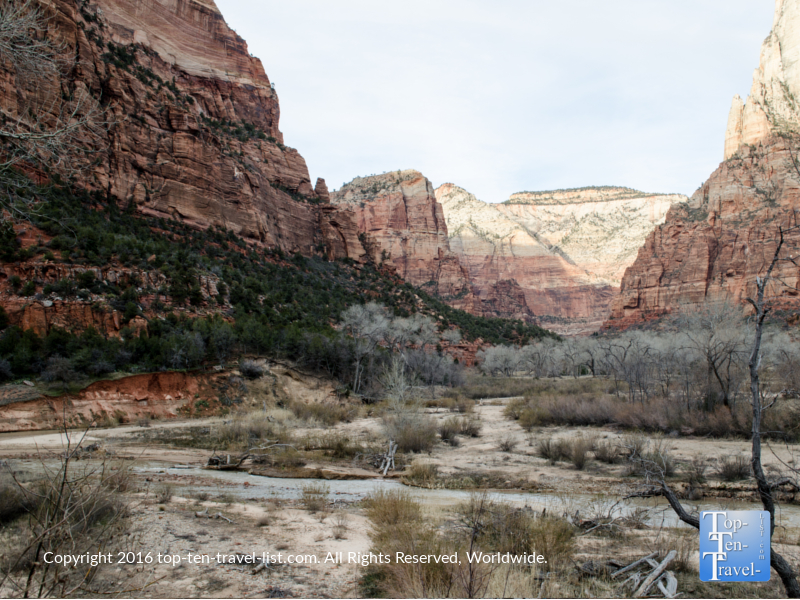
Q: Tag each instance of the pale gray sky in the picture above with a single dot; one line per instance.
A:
(508, 95)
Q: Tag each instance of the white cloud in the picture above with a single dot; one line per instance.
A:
(510, 95)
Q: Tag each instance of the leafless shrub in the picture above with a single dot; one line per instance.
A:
(412, 431)
(696, 470)
(469, 427)
(552, 450)
(251, 369)
(607, 452)
(652, 459)
(71, 509)
(448, 430)
(507, 445)
(734, 468)
(322, 412)
(580, 447)
(634, 445)
(247, 430)
(684, 543)
(334, 443)
(163, 494)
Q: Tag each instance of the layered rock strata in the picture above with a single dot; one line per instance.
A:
(564, 250)
(400, 212)
(712, 248)
(192, 122)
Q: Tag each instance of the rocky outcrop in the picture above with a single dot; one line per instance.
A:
(772, 106)
(156, 395)
(399, 211)
(564, 250)
(193, 122)
(712, 248)
(43, 309)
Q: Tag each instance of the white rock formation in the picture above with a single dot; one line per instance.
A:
(566, 249)
(774, 101)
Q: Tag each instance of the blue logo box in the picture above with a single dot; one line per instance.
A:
(734, 545)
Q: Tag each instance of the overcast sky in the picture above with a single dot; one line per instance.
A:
(508, 95)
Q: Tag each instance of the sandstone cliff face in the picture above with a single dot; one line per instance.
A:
(194, 122)
(400, 212)
(711, 248)
(564, 250)
(772, 106)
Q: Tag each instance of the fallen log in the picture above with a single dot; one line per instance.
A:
(651, 579)
(220, 463)
(633, 565)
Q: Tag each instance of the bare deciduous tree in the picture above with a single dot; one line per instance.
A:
(71, 510)
(760, 401)
(367, 325)
(713, 331)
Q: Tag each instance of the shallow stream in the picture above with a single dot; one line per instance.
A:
(245, 486)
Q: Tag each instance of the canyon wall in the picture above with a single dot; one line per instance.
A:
(186, 122)
(399, 211)
(772, 105)
(564, 250)
(712, 248)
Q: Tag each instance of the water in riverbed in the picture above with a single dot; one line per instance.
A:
(243, 485)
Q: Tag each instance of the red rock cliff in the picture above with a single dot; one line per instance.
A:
(713, 247)
(400, 212)
(194, 122)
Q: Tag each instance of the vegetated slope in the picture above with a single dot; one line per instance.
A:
(564, 250)
(109, 289)
(713, 247)
(187, 231)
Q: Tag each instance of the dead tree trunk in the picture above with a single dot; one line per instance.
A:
(781, 566)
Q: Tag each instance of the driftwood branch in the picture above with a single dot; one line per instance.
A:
(651, 579)
(633, 565)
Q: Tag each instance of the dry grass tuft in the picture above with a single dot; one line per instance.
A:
(315, 497)
(579, 449)
(248, 430)
(320, 412)
(341, 521)
(422, 475)
(163, 494)
(411, 431)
